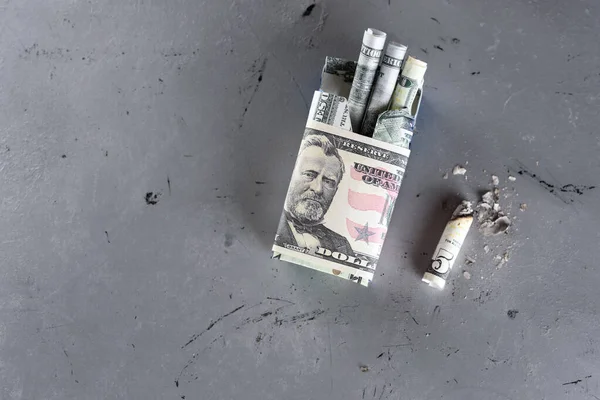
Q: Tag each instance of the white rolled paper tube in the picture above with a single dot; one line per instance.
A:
(374, 38)
(447, 250)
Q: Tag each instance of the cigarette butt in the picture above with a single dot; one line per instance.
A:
(447, 250)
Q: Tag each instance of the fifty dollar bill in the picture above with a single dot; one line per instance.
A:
(341, 195)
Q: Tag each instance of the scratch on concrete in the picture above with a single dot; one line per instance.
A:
(211, 325)
(510, 98)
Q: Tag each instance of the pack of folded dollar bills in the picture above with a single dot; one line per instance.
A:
(351, 161)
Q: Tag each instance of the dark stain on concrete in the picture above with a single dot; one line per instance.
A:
(309, 10)
(229, 239)
(260, 71)
(152, 198)
(554, 188)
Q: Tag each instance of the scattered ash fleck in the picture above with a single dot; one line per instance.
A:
(469, 260)
(495, 180)
(459, 170)
(490, 217)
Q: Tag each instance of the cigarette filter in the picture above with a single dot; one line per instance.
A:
(447, 250)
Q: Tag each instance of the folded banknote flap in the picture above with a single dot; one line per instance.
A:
(337, 76)
(340, 199)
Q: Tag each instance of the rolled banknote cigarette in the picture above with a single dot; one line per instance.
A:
(447, 250)
(366, 69)
(408, 89)
(385, 84)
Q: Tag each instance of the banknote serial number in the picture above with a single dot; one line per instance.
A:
(296, 248)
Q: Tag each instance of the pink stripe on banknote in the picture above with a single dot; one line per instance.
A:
(366, 202)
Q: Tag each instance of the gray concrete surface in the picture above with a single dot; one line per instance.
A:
(103, 102)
